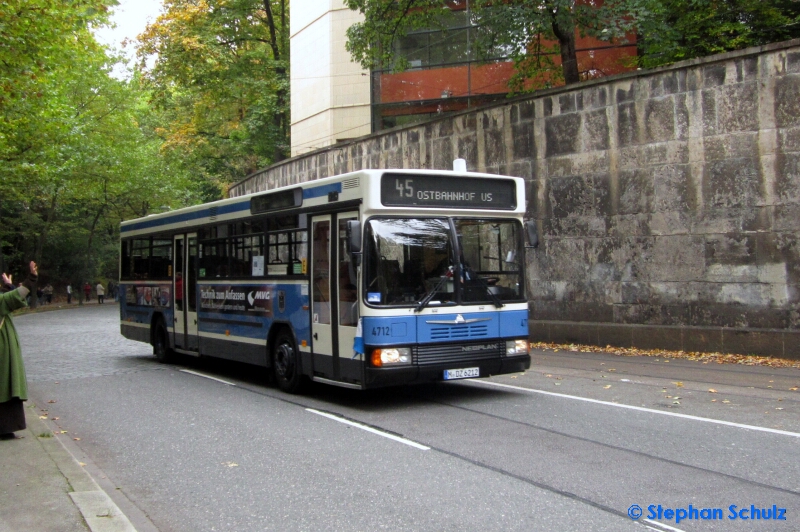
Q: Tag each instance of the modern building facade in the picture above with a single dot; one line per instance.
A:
(334, 99)
(330, 93)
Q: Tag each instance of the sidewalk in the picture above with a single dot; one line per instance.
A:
(44, 489)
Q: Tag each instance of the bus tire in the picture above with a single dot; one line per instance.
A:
(161, 347)
(286, 363)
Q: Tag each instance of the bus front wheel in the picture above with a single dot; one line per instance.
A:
(161, 344)
(286, 363)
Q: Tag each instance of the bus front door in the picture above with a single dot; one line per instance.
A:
(184, 293)
(334, 312)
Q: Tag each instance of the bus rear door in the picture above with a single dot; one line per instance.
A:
(184, 293)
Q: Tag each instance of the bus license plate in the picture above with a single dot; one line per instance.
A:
(464, 373)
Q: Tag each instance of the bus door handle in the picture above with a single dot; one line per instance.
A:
(316, 337)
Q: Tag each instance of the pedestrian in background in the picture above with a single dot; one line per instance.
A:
(48, 293)
(69, 294)
(87, 291)
(13, 384)
(101, 293)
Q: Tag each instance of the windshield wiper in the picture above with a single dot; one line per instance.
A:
(492, 295)
(427, 299)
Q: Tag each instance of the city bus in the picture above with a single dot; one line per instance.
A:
(363, 280)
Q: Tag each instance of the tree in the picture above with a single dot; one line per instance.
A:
(685, 29)
(76, 154)
(519, 29)
(220, 83)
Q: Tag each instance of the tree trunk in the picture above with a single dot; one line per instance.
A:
(565, 33)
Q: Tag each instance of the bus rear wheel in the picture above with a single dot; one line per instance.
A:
(286, 363)
(161, 344)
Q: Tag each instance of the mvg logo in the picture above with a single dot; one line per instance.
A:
(258, 295)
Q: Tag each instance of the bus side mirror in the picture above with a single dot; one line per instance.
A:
(354, 236)
(533, 234)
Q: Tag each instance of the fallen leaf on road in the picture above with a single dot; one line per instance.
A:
(52, 401)
(712, 390)
(678, 384)
(719, 358)
(725, 401)
(81, 464)
(76, 439)
(676, 402)
(607, 386)
(230, 464)
(54, 418)
(779, 408)
(794, 389)
(42, 417)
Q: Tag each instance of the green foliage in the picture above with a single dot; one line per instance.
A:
(220, 85)
(76, 156)
(685, 29)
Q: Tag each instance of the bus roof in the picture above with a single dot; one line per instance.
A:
(232, 208)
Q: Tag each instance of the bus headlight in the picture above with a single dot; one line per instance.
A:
(516, 347)
(391, 356)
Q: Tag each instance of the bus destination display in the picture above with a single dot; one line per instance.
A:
(401, 190)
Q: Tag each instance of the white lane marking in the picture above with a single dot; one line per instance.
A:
(662, 525)
(643, 409)
(207, 376)
(369, 429)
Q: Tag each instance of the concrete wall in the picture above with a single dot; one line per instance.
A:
(668, 201)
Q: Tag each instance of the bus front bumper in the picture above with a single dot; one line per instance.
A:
(414, 374)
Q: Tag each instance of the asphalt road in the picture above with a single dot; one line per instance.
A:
(572, 444)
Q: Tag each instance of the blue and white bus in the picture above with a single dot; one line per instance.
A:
(367, 279)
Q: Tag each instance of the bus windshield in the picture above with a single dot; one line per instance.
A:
(442, 261)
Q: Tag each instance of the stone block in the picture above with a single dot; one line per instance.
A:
(751, 342)
(538, 331)
(614, 335)
(442, 149)
(787, 101)
(522, 137)
(635, 192)
(574, 333)
(791, 345)
(570, 196)
(789, 139)
(786, 217)
(567, 103)
(672, 188)
(659, 116)
(494, 147)
(793, 62)
(627, 127)
(522, 111)
(625, 225)
(670, 223)
(731, 249)
(787, 178)
(702, 339)
(657, 337)
(714, 75)
(596, 130)
(677, 258)
(737, 108)
(709, 109)
(746, 68)
(732, 183)
(562, 134)
(595, 97)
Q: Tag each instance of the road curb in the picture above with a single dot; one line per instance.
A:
(98, 510)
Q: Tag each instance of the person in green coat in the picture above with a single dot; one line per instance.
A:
(13, 384)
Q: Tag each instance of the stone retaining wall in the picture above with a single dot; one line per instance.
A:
(668, 201)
